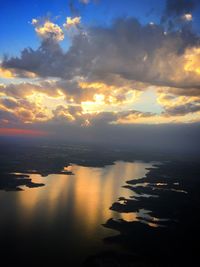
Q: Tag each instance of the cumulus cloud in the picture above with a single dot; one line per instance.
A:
(29, 103)
(178, 105)
(48, 30)
(187, 17)
(21, 90)
(9, 103)
(128, 50)
(72, 22)
(7, 74)
(97, 80)
(8, 118)
(45, 61)
(22, 111)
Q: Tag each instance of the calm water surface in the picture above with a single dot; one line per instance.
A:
(64, 218)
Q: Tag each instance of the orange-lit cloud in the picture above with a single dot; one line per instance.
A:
(192, 61)
(99, 96)
(6, 74)
(187, 17)
(48, 30)
(103, 74)
(72, 22)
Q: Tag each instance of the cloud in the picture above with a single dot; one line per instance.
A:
(23, 110)
(34, 21)
(178, 8)
(8, 118)
(6, 74)
(118, 117)
(178, 105)
(85, 1)
(72, 22)
(47, 60)
(23, 103)
(9, 103)
(187, 17)
(75, 115)
(99, 78)
(21, 90)
(178, 14)
(68, 113)
(128, 50)
(183, 109)
(48, 30)
(105, 85)
(180, 91)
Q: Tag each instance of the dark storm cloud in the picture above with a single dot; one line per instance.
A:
(45, 61)
(180, 7)
(178, 13)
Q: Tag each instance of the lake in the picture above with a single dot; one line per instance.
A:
(63, 219)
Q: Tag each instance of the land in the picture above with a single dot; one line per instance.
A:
(167, 199)
(45, 159)
(169, 236)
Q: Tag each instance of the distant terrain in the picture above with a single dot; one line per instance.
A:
(166, 200)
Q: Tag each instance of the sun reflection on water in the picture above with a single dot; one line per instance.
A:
(85, 196)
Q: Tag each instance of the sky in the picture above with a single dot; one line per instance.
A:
(78, 67)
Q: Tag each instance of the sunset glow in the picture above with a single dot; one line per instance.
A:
(79, 72)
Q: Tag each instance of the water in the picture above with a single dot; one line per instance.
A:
(63, 219)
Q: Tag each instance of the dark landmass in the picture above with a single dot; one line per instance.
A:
(166, 200)
(115, 259)
(51, 159)
(174, 211)
(13, 182)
